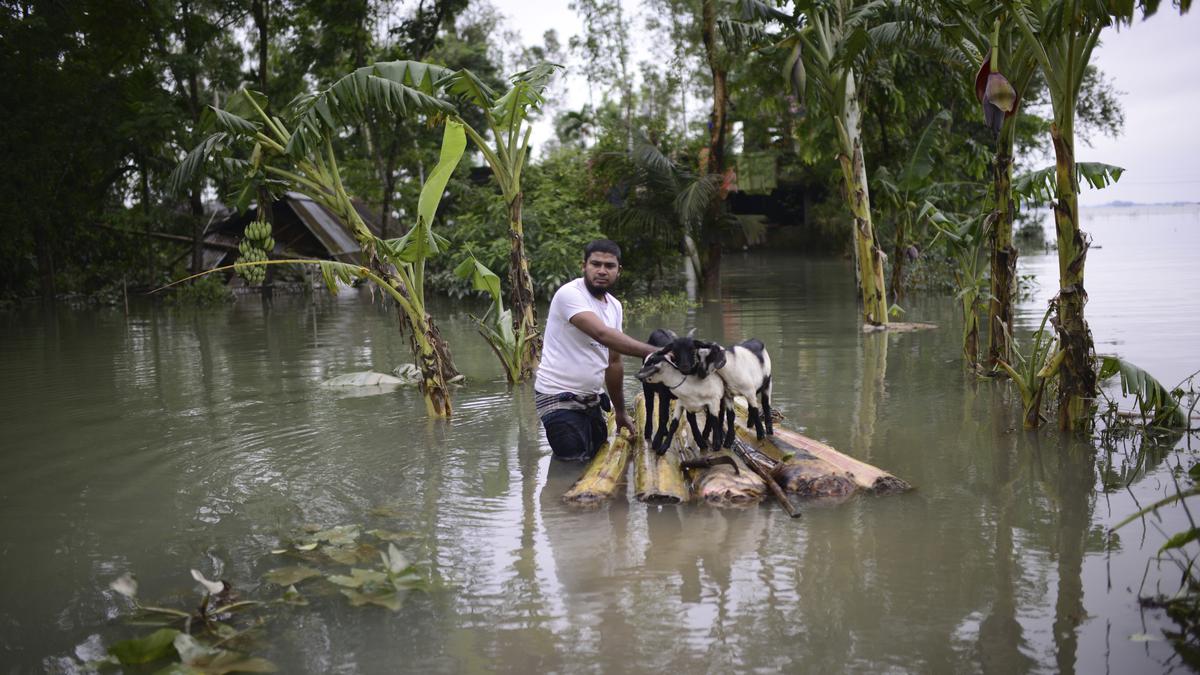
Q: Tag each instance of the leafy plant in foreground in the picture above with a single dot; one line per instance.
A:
(1033, 371)
(496, 326)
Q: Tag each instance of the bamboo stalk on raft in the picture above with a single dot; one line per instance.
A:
(815, 469)
(657, 479)
(606, 472)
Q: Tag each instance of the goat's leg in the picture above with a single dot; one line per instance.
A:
(765, 394)
(664, 407)
(713, 423)
(731, 432)
(648, 394)
(754, 419)
(701, 438)
(664, 440)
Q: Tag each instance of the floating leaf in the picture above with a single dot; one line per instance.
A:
(293, 597)
(202, 658)
(126, 585)
(287, 576)
(311, 527)
(394, 561)
(155, 646)
(279, 551)
(341, 535)
(213, 587)
(349, 555)
(389, 599)
(307, 547)
(387, 535)
(1142, 637)
(359, 578)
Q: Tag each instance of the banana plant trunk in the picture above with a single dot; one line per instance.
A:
(868, 256)
(1004, 254)
(1077, 384)
(521, 284)
(898, 257)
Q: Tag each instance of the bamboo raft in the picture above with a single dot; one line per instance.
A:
(788, 465)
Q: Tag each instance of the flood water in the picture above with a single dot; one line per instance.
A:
(178, 439)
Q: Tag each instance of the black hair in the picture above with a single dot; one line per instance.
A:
(602, 246)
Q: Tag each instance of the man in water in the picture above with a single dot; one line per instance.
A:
(581, 351)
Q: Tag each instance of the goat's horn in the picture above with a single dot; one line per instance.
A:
(692, 333)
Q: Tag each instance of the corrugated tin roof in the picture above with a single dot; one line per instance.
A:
(326, 227)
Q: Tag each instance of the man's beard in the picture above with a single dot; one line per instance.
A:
(596, 291)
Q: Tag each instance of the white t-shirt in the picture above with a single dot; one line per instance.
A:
(572, 361)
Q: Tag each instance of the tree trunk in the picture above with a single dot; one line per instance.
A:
(45, 261)
(898, 257)
(1077, 383)
(1004, 254)
(520, 283)
(715, 163)
(868, 255)
(197, 208)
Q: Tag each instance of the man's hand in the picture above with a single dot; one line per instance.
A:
(622, 420)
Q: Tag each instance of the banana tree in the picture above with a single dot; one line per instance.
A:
(407, 87)
(824, 40)
(1003, 46)
(1062, 35)
(911, 196)
(966, 243)
(496, 325)
(276, 159)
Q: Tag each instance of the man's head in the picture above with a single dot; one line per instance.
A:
(601, 266)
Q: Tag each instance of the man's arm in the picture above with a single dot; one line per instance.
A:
(614, 382)
(615, 340)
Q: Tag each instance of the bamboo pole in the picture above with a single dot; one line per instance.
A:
(606, 472)
(657, 479)
(818, 468)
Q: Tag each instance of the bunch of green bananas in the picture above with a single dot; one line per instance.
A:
(254, 248)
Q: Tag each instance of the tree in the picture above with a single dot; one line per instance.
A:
(1062, 35)
(825, 39)
(260, 151)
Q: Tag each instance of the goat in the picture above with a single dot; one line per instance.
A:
(695, 390)
(660, 338)
(745, 368)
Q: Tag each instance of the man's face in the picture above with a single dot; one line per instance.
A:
(600, 272)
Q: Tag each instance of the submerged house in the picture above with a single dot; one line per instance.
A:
(301, 227)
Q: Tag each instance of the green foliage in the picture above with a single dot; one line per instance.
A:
(1154, 401)
(1034, 370)
(1039, 186)
(206, 291)
(496, 326)
(659, 304)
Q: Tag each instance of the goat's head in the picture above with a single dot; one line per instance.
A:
(710, 357)
(655, 366)
(661, 337)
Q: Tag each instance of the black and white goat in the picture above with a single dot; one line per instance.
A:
(686, 370)
(745, 368)
(660, 338)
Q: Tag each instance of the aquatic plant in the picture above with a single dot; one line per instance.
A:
(1033, 371)
(496, 325)
(1157, 406)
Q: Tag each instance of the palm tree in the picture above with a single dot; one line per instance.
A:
(1062, 35)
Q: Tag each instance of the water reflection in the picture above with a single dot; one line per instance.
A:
(202, 438)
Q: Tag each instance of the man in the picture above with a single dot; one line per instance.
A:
(581, 351)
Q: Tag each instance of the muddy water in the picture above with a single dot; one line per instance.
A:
(201, 439)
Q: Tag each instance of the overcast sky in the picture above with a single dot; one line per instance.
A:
(1153, 63)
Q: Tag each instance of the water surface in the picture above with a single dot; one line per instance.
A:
(177, 439)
